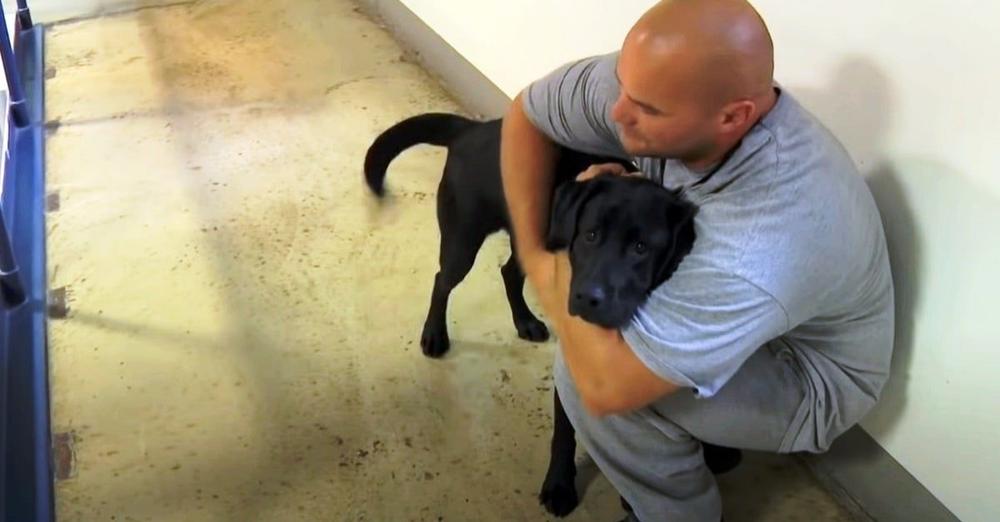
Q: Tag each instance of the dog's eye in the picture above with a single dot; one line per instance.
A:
(640, 247)
(591, 236)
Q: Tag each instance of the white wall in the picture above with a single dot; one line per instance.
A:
(910, 88)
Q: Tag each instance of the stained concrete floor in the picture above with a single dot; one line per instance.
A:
(241, 342)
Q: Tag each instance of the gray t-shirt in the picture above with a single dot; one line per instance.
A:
(790, 253)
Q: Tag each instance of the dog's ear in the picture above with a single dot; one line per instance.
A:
(681, 211)
(680, 218)
(567, 202)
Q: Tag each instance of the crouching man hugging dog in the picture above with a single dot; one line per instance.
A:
(775, 332)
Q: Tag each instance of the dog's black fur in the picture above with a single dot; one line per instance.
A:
(625, 235)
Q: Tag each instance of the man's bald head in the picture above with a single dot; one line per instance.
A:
(722, 44)
(713, 56)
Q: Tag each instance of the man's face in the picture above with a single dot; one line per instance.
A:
(661, 115)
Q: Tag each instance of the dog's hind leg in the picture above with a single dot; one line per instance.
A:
(528, 326)
(459, 246)
(558, 493)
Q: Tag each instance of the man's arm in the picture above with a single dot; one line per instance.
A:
(611, 379)
(527, 160)
(608, 376)
(570, 106)
(682, 337)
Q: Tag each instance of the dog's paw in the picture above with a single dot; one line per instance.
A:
(434, 342)
(558, 495)
(532, 330)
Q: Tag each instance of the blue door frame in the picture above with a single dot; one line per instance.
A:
(26, 478)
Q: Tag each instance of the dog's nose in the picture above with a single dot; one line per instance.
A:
(591, 297)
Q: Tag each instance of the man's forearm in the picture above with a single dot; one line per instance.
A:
(589, 353)
(609, 377)
(527, 159)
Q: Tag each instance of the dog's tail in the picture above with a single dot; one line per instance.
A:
(433, 128)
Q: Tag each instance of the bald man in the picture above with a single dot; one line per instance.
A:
(775, 333)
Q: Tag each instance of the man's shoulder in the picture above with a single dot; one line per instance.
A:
(802, 142)
(807, 226)
(572, 105)
(772, 216)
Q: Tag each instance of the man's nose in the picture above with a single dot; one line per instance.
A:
(620, 113)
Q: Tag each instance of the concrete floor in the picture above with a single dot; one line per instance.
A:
(241, 342)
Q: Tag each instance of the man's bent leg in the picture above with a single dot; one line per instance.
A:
(654, 464)
(762, 407)
(653, 455)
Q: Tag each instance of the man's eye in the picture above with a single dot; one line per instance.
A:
(650, 110)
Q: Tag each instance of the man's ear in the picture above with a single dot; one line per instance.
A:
(567, 202)
(736, 114)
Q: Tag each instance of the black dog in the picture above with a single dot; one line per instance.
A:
(625, 236)
(610, 277)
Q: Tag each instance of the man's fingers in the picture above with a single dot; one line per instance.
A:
(602, 168)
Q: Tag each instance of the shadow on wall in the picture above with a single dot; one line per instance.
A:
(857, 107)
(904, 257)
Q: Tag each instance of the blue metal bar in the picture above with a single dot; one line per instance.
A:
(26, 471)
(18, 107)
(24, 15)
(11, 289)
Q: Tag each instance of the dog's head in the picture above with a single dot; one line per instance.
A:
(625, 236)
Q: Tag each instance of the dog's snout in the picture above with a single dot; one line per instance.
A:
(591, 297)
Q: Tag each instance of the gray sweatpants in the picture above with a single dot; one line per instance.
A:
(653, 456)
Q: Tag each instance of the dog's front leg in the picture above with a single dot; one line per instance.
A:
(558, 493)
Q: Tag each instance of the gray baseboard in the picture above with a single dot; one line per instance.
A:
(858, 472)
(871, 484)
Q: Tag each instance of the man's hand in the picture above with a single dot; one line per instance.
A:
(601, 168)
(604, 168)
